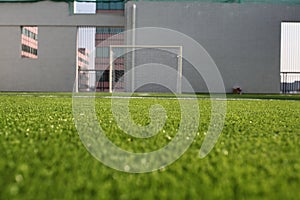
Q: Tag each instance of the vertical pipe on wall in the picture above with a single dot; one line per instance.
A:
(71, 7)
(179, 86)
(133, 44)
(110, 68)
(76, 67)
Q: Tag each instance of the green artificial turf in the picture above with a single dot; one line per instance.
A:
(256, 157)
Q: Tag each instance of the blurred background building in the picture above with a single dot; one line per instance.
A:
(29, 41)
(254, 43)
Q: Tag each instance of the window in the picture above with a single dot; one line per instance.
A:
(83, 60)
(29, 42)
(110, 5)
(102, 52)
(109, 30)
(119, 75)
(103, 76)
(88, 7)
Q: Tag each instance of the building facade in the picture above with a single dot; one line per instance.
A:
(83, 56)
(29, 42)
(55, 69)
(106, 36)
(242, 38)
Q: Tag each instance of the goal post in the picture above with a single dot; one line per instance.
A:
(127, 58)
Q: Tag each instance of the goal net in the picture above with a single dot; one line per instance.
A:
(155, 69)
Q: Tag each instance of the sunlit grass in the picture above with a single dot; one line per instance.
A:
(256, 157)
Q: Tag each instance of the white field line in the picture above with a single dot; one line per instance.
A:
(145, 97)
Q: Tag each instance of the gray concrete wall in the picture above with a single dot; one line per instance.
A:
(242, 39)
(49, 13)
(55, 68)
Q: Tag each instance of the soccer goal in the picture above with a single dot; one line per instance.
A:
(145, 68)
